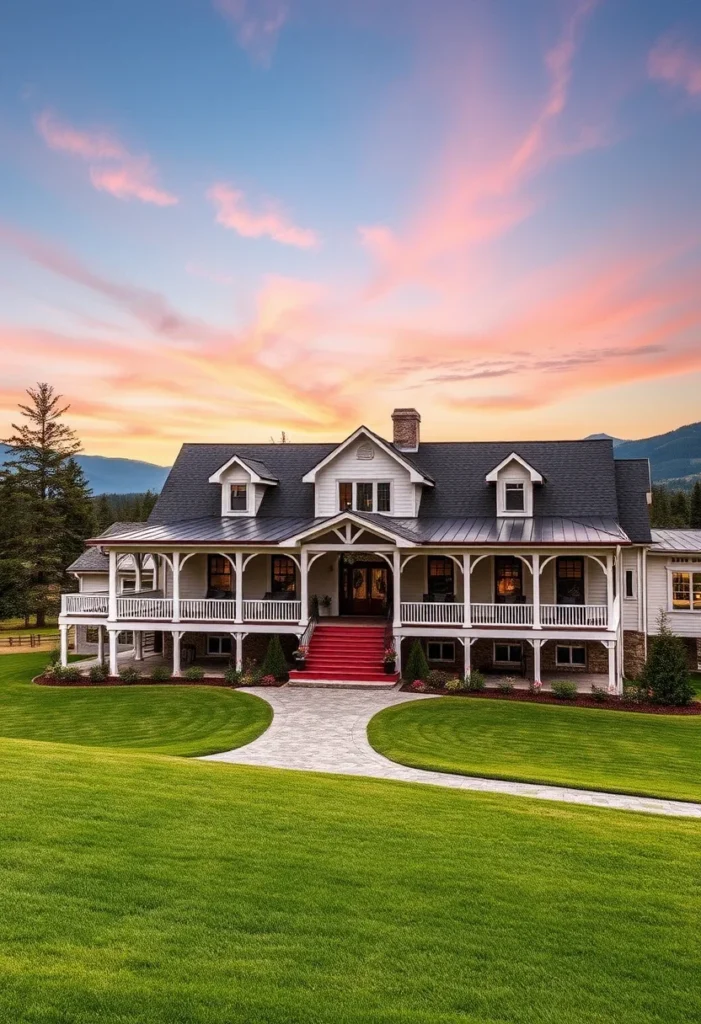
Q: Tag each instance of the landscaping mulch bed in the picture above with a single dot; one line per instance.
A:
(583, 700)
(146, 681)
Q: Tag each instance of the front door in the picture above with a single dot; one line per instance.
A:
(364, 588)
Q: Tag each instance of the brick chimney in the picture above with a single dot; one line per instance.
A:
(407, 429)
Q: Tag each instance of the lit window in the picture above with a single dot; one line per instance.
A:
(570, 654)
(508, 654)
(363, 497)
(239, 498)
(284, 577)
(686, 591)
(440, 576)
(514, 497)
(383, 497)
(345, 496)
(436, 651)
(219, 574)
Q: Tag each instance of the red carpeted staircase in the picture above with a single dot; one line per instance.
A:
(345, 654)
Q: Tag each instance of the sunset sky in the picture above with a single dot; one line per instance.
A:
(220, 219)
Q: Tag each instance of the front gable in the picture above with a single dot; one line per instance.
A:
(243, 483)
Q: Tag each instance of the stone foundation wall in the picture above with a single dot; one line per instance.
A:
(456, 667)
(633, 653)
(254, 645)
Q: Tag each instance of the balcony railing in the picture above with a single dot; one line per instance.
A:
(272, 611)
(208, 610)
(593, 615)
(439, 614)
(132, 608)
(418, 613)
(84, 604)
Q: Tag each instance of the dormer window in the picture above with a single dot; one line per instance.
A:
(364, 496)
(514, 497)
(238, 498)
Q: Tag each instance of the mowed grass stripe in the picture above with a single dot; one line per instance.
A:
(647, 755)
(161, 891)
(184, 720)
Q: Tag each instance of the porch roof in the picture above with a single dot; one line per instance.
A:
(676, 541)
(470, 530)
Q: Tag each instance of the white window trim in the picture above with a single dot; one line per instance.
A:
(249, 496)
(690, 568)
(570, 648)
(443, 643)
(374, 484)
(506, 643)
(219, 638)
(502, 510)
(633, 576)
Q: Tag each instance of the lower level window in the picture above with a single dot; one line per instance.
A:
(125, 637)
(508, 654)
(91, 634)
(570, 654)
(440, 651)
(218, 645)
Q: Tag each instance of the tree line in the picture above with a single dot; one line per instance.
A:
(672, 508)
(47, 510)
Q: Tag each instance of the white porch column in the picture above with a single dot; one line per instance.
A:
(536, 592)
(238, 640)
(101, 644)
(536, 661)
(137, 573)
(176, 653)
(612, 687)
(138, 645)
(112, 598)
(238, 610)
(609, 588)
(63, 631)
(113, 634)
(176, 587)
(467, 595)
(397, 587)
(304, 587)
(467, 643)
(398, 652)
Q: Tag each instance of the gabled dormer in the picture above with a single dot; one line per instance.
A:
(366, 474)
(243, 482)
(515, 480)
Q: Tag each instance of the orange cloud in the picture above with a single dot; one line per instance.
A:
(672, 61)
(257, 25)
(112, 168)
(271, 223)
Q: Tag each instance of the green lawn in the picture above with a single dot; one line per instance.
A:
(187, 720)
(653, 755)
(138, 889)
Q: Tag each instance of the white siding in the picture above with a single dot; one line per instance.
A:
(94, 582)
(630, 610)
(193, 577)
(347, 466)
(658, 569)
(323, 579)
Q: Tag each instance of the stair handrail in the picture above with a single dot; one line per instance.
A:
(306, 637)
(389, 643)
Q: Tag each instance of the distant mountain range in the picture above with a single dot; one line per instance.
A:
(675, 459)
(117, 476)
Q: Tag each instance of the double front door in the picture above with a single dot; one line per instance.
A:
(364, 587)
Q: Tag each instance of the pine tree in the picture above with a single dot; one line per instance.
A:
(695, 509)
(274, 663)
(660, 515)
(679, 509)
(416, 665)
(53, 497)
(666, 673)
(103, 513)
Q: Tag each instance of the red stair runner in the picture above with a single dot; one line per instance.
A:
(349, 653)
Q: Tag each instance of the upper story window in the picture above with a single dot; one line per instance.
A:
(440, 581)
(570, 581)
(686, 591)
(514, 497)
(238, 498)
(284, 575)
(219, 575)
(364, 496)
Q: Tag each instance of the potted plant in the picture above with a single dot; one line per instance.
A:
(300, 656)
(324, 605)
(390, 660)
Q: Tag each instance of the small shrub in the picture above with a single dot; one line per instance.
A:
(416, 666)
(232, 676)
(274, 663)
(161, 674)
(71, 674)
(268, 680)
(194, 673)
(599, 693)
(666, 674)
(565, 690)
(50, 672)
(505, 686)
(476, 682)
(453, 685)
(129, 674)
(635, 694)
(535, 687)
(418, 686)
(97, 674)
(437, 679)
(55, 656)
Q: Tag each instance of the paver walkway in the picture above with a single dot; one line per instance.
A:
(325, 730)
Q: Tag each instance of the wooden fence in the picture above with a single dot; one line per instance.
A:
(29, 640)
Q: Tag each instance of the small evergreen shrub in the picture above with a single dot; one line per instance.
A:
(161, 674)
(274, 663)
(565, 690)
(476, 682)
(194, 673)
(55, 656)
(666, 674)
(71, 674)
(453, 685)
(505, 686)
(232, 676)
(437, 679)
(129, 674)
(599, 693)
(97, 674)
(417, 666)
(635, 694)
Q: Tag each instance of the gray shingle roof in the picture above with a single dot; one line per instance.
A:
(632, 485)
(677, 541)
(91, 560)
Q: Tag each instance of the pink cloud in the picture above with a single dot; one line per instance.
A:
(257, 25)
(672, 61)
(272, 222)
(112, 168)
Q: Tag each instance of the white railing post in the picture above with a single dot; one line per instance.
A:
(304, 587)
(612, 665)
(238, 640)
(536, 661)
(238, 609)
(467, 596)
(536, 594)
(63, 631)
(137, 573)
(467, 644)
(609, 589)
(112, 597)
(176, 587)
(176, 653)
(101, 644)
(396, 588)
(113, 634)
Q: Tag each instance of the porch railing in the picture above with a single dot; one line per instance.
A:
(207, 609)
(84, 604)
(502, 614)
(593, 615)
(132, 608)
(272, 611)
(420, 613)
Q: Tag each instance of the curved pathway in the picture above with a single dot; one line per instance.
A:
(325, 730)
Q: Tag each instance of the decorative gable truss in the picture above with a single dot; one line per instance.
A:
(243, 483)
(515, 480)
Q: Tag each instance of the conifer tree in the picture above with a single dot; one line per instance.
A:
(416, 665)
(695, 509)
(679, 509)
(274, 663)
(666, 673)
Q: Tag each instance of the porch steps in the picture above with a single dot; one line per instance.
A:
(345, 655)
